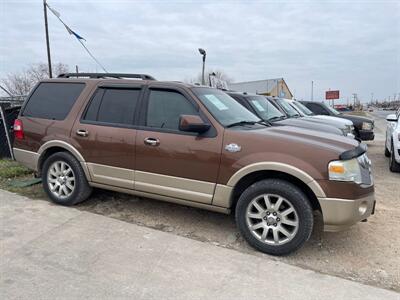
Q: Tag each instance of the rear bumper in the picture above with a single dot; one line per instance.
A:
(366, 135)
(340, 214)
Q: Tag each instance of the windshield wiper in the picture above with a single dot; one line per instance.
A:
(264, 122)
(240, 123)
(276, 118)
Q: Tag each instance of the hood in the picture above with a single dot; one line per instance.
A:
(307, 150)
(356, 119)
(310, 137)
(345, 122)
(331, 122)
(303, 123)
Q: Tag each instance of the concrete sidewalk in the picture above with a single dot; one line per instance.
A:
(53, 252)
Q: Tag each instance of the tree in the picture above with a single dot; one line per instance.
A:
(21, 83)
(218, 73)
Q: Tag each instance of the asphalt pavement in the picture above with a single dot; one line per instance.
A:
(54, 252)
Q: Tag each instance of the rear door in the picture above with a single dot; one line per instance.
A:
(106, 136)
(170, 162)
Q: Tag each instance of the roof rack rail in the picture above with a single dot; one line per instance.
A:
(106, 75)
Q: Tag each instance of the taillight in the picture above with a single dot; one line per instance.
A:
(18, 130)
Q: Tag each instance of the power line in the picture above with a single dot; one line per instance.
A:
(78, 37)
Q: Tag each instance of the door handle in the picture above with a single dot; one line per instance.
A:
(82, 132)
(152, 141)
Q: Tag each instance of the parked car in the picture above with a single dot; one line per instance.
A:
(392, 145)
(292, 111)
(195, 146)
(264, 109)
(364, 127)
(344, 125)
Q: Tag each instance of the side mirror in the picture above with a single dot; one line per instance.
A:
(192, 123)
(391, 118)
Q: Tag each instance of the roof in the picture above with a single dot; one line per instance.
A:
(258, 86)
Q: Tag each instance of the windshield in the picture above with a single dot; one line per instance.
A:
(302, 108)
(223, 107)
(288, 108)
(265, 109)
(331, 109)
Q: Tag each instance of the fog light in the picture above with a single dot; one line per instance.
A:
(362, 209)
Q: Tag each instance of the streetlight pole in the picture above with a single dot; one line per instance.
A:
(47, 38)
(203, 53)
(312, 90)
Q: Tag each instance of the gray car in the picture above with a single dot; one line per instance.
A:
(265, 110)
(346, 126)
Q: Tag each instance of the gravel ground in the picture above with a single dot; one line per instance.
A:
(367, 252)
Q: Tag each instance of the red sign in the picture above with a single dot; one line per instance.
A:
(330, 95)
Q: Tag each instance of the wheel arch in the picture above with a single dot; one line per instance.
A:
(245, 177)
(51, 147)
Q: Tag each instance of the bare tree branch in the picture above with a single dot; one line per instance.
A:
(21, 83)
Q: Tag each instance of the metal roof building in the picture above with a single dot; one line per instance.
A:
(269, 87)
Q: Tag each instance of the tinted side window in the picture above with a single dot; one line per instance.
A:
(316, 109)
(165, 107)
(93, 109)
(116, 106)
(53, 100)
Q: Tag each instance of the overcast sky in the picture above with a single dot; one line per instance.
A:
(353, 46)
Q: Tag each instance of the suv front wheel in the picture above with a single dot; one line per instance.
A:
(64, 180)
(274, 216)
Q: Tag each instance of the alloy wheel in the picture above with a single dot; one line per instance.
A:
(61, 179)
(272, 219)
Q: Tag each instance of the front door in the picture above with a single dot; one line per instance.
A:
(106, 138)
(170, 162)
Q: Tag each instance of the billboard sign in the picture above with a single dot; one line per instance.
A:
(331, 95)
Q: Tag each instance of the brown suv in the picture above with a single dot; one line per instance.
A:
(195, 146)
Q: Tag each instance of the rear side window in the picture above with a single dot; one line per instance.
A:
(53, 100)
(113, 106)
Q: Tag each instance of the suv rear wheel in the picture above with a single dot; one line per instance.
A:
(64, 180)
(274, 216)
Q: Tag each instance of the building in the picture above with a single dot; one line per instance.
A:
(268, 87)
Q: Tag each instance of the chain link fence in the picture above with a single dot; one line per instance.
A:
(9, 110)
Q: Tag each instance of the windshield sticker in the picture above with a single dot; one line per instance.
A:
(258, 105)
(216, 102)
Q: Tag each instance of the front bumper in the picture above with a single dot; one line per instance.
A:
(366, 135)
(340, 214)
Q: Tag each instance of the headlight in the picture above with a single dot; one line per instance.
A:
(366, 126)
(345, 170)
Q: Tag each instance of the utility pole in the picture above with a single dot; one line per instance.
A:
(47, 38)
(312, 90)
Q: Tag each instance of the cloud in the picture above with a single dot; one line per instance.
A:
(353, 46)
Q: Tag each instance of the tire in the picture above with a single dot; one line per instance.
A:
(292, 197)
(65, 188)
(387, 153)
(394, 166)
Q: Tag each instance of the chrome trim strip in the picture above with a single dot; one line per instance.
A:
(27, 158)
(222, 196)
(163, 198)
(182, 188)
(111, 175)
